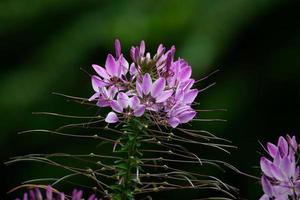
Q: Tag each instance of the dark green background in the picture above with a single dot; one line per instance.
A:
(254, 43)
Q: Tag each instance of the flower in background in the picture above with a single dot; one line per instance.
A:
(281, 172)
(36, 194)
(158, 87)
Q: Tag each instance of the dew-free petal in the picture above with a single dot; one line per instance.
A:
(101, 71)
(158, 87)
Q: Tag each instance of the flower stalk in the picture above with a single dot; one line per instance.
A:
(129, 166)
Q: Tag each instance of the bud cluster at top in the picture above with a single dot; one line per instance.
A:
(281, 172)
(158, 87)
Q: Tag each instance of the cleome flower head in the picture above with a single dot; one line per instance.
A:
(159, 87)
(281, 172)
(36, 194)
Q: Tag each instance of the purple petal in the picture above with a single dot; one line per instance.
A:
(111, 92)
(272, 149)
(31, 195)
(118, 48)
(164, 96)
(124, 65)
(292, 142)
(186, 85)
(111, 118)
(61, 196)
(142, 48)
(174, 122)
(147, 84)
(134, 102)
(123, 100)
(101, 71)
(297, 185)
(95, 96)
(277, 173)
(49, 193)
(185, 73)
(139, 89)
(112, 66)
(190, 96)
(77, 195)
(282, 146)
(116, 106)
(186, 116)
(288, 167)
(265, 166)
(139, 110)
(160, 50)
(158, 87)
(25, 196)
(96, 83)
(266, 185)
(132, 69)
(92, 197)
(265, 197)
(38, 194)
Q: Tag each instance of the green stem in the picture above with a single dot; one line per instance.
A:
(127, 166)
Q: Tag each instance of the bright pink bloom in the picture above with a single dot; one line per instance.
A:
(157, 86)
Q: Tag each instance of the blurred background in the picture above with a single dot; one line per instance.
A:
(254, 43)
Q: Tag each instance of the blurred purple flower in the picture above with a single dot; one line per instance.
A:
(36, 194)
(281, 174)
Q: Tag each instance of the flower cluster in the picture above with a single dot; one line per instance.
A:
(36, 194)
(158, 87)
(281, 173)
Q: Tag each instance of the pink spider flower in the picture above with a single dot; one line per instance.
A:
(50, 195)
(157, 86)
(125, 106)
(281, 174)
(152, 94)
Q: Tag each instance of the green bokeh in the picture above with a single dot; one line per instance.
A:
(254, 43)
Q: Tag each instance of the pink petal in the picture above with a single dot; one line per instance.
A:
(158, 87)
(174, 122)
(103, 103)
(184, 73)
(147, 84)
(160, 50)
(277, 173)
(101, 71)
(164, 96)
(283, 146)
(96, 83)
(112, 67)
(139, 88)
(124, 65)
(266, 185)
(272, 149)
(288, 167)
(123, 100)
(265, 197)
(139, 110)
(190, 96)
(132, 69)
(49, 193)
(116, 106)
(95, 96)
(111, 92)
(111, 118)
(142, 48)
(186, 116)
(134, 102)
(118, 48)
(265, 166)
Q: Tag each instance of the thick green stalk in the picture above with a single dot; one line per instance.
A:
(128, 166)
